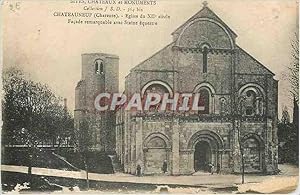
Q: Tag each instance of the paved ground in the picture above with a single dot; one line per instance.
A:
(287, 179)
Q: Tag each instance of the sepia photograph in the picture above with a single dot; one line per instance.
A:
(149, 96)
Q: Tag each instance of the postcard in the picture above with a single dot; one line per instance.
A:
(150, 96)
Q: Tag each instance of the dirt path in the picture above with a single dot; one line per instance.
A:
(287, 179)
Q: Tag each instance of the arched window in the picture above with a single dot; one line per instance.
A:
(99, 67)
(250, 100)
(204, 101)
(251, 103)
(158, 89)
(205, 52)
(156, 86)
(207, 94)
(223, 106)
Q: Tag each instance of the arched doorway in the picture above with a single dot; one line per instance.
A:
(207, 147)
(202, 156)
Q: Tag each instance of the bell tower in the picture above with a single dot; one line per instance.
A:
(100, 74)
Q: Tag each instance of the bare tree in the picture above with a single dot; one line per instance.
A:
(294, 68)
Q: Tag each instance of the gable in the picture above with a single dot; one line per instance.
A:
(205, 12)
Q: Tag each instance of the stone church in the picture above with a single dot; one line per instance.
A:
(239, 95)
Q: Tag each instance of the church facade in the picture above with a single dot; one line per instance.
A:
(239, 95)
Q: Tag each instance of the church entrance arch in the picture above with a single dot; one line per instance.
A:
(207, 147)
(202, 156)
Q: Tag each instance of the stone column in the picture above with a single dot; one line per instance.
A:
(220, 156)
(126, 142)
(257, 106)
(213, 107)
(191, 161)
(139, 143)
(175, 147)
(132, 150)
(268, 148)
(225, 165)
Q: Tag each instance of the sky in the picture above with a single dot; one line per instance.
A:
(49, 49)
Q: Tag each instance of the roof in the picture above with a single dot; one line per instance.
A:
(101, 54)
(161, 59)
(252, 64)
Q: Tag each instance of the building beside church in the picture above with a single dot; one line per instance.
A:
(239, 95)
